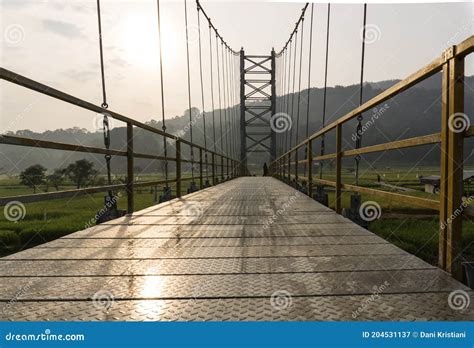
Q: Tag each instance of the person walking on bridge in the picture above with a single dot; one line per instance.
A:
(265, 169)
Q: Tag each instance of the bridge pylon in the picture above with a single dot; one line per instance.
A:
(258, 105)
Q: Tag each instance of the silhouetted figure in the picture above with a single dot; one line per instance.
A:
(265, 169)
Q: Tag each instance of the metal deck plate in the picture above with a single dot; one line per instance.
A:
(247, 249)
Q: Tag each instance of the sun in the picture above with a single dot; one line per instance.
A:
(139, 38)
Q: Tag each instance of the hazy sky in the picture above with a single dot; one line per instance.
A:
(56, 43)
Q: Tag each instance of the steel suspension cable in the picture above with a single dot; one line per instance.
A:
(293, 33)
(212, 91)
(219, 94)
(234, 89)
(293, 89)
(202, 89)
(189, 88)
(229, 102)
(288, 94)
(361, 89)
(232, 84)
(224, 99)
(101, 51)
(162, 93)
(284, 97)
(325, 89)
(308, 98)
(309, 71)
(104, 105)
(279, 96)
(299, 81)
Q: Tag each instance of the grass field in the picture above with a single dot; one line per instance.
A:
(411, 228)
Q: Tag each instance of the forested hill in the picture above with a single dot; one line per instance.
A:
(415, 112)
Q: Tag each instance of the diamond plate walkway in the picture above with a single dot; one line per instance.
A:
(248, 249)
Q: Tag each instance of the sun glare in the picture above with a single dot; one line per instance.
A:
(139, 38)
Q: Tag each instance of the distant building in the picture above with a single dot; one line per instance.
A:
(432, 182)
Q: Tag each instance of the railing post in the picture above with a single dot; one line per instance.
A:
(296, 166)
(309, 165)
(338, 205)
(178, 168)
(443, 184)
(222, 167)
(451, 184)
(213, 169)
(289, 166)
(282, 168)
(227, 167)
(201, 183)
(130, 173)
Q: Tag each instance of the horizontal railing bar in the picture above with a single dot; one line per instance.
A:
(420, 75)
(421, 202)
(152, 183)
(462, 49)
(324, 182)
(30, 142)
(413, 200)
(39, 197)
(196, 178)
(324, 157)
(54, 93)
(187, 142)
(155, 157)
(466, 47)
(45, 196)
(43, 144)
(57, 94)
(399, 144)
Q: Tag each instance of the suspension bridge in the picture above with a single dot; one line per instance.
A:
(239, 247)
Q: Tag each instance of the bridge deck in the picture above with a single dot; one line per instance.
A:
(247, 249)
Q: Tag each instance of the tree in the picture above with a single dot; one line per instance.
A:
(81, 172)
(33, 176)
(56, 178)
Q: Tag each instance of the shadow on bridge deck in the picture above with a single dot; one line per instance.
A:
(248, 249)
